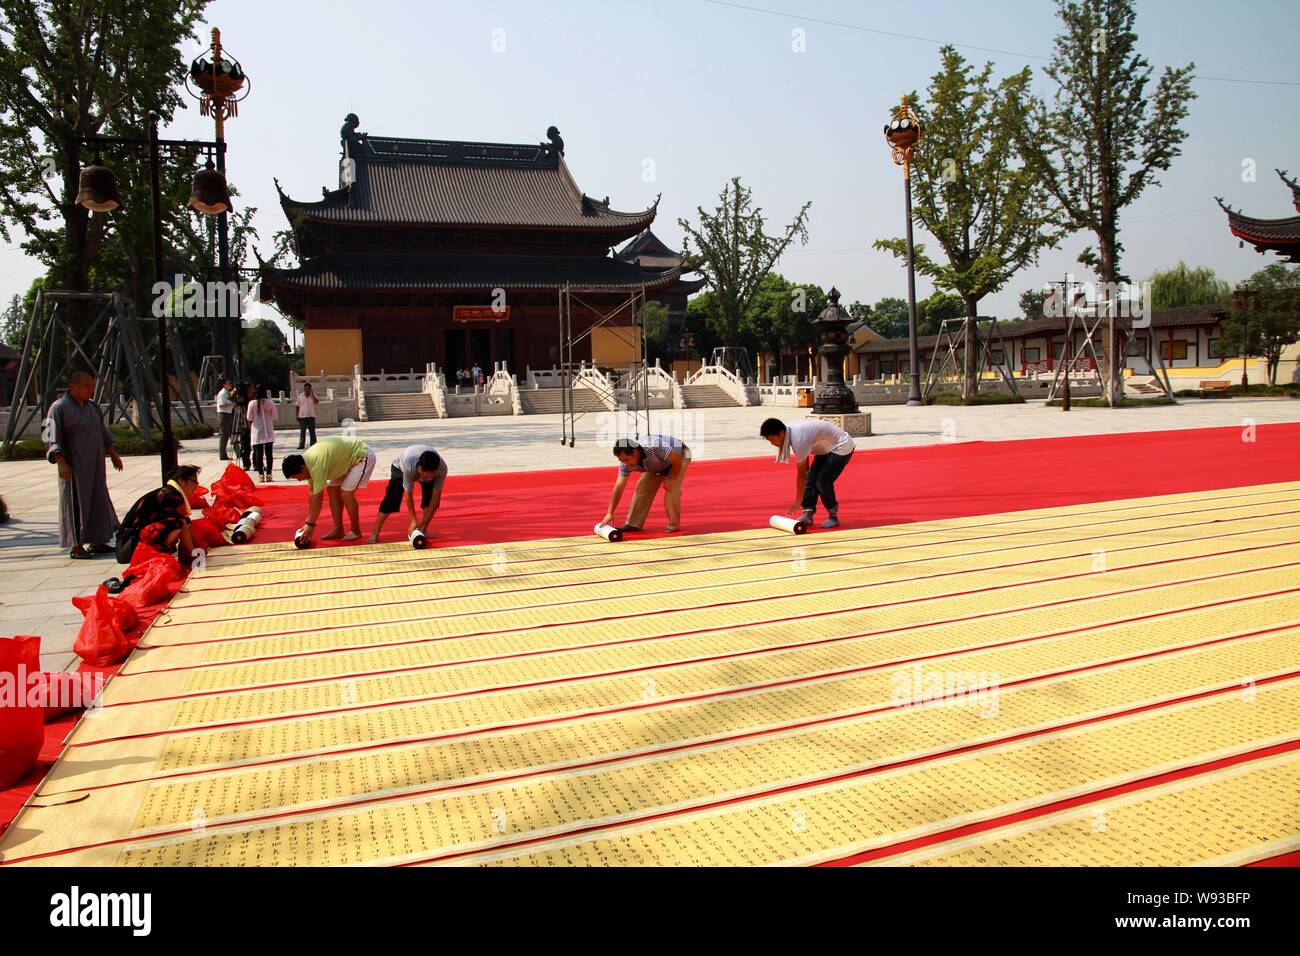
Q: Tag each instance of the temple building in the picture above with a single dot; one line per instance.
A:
(455, 253)
(1269, 235)
(648, 251)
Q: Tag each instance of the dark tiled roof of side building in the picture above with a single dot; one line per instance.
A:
(1181, 317)
(650, 252)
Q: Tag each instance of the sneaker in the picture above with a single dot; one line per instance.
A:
(832, 521)
(806, 517)
(671, 528)
(625, 528)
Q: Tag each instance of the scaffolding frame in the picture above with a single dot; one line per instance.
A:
(113, 347)
(1078, 319)
(636, 381)
(944, 361)
(1126, 337)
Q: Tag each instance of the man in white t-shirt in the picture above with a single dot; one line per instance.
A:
(225, 414)
(306, 403)
(830, 449)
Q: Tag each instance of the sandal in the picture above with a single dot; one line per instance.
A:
(100, 549)
(80, 554)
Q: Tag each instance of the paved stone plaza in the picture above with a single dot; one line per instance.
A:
(39, 578)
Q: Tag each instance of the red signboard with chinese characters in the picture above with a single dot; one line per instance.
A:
(480, 313)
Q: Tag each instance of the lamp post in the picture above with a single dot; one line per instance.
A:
(1245, 302)
(902, 133)
(98, 192)
(219, 84)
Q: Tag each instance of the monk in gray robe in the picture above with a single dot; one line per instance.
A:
(77, 441)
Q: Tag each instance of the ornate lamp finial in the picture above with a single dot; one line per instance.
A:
(902, 133)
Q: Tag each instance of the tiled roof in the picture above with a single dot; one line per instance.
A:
(650, 252)
(1268, 230)
(1275, 235)
(448, 183)
(1181, 317)
(1295, 187)
(415, 271)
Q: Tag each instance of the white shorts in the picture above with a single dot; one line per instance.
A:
(358, 475)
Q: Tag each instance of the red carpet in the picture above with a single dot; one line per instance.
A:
(880, 487)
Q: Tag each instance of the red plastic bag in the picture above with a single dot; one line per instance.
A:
(144, 554)
(207, 533)
(154, 582)
(234, 486)
(222, 514)
(22, 729)
(199, 498)
(124, 614)
(62, 692)
(239, 500)
(101, 641)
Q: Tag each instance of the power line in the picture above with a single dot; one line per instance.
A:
(964, 46)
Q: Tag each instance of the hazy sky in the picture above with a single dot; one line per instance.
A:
(707, 90)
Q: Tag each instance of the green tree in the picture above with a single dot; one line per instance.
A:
(1179, 286)
(1106, 136)
(69, 71)
(13, 324)
(730, 248)
(701, 320)
(1269, 331)
(266, 361)
(654, 316)
(931, 312)
(889, 318)
(16, 320)
(989, 215)
(782, 317)
(1031, 303)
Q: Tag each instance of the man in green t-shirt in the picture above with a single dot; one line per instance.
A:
(337, 466)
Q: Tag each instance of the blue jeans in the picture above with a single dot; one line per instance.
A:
(821, 481)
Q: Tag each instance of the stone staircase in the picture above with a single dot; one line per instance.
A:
(1146, 386)
(707, 396)
(396, 406)
(549, 401)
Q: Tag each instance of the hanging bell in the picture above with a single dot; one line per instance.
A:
(209, 195)
(97, 188)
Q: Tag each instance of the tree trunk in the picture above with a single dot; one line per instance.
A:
(970, 373)
(1113, 384)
